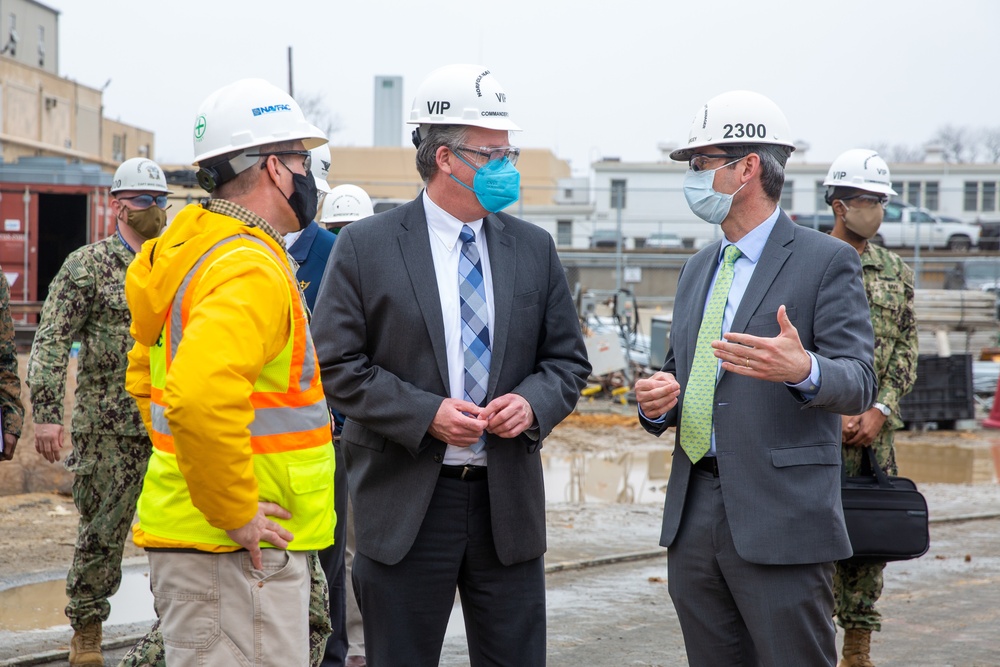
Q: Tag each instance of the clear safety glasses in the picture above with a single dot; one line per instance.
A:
(488, 153)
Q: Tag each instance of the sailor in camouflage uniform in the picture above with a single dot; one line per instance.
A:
(11, 408)
(86, 302)
(858, 186)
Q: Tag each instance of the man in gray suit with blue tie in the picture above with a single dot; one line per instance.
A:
(770, 343)
(447, 336)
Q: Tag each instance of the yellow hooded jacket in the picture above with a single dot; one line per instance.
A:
(228, 386)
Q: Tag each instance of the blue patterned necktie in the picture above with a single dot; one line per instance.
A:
(699, 394)
(475, 324)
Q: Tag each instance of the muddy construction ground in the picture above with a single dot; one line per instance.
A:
(607, 599)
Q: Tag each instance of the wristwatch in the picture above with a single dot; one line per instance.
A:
(883, 408)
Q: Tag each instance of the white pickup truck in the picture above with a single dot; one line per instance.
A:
(903, 225)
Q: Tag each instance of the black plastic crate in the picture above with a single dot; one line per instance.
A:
(942, 392)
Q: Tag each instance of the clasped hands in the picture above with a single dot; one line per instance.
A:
(462, 423)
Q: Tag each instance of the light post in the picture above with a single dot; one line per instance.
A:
(618, 203)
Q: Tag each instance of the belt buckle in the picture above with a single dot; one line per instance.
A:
(465, 471)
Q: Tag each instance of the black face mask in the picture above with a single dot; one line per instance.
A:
(304, 200)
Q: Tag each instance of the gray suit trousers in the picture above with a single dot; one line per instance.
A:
(733, 612)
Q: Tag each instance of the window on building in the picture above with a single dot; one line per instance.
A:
(898, 187)
(932, 198)
(989, 196)
(821, 204)
(118, 147)
(11, 46)
(564, 233)
(41, 46)
(913, 192)
(971, 197)
(786, 195)
(618, 193)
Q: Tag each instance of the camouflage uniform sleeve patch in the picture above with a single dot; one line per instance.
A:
(77, 270)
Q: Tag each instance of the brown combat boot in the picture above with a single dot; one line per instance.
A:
(857, 646)
(85, 647)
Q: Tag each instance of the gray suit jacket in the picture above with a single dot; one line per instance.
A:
(779, 454)
(380, 341)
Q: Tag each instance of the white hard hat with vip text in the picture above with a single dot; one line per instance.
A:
(462, 95)
(860, 168)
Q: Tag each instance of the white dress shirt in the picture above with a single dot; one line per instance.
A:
(443, 230)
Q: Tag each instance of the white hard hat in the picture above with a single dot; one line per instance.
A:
(461, 95)
(346, 203)
(247, 113)
(860, 168)
(138, 173)
(321, 166)
(736, 117)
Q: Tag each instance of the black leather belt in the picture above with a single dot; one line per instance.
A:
(466, 473)
(709, 464)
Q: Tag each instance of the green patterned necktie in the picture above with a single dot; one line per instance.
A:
(696, 419)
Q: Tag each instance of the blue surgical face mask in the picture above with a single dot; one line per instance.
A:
(497, 183)
(705, 202)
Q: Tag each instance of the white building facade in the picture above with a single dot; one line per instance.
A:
(654, 202)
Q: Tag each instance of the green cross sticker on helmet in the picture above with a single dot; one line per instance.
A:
(249, 113)
(199, 127)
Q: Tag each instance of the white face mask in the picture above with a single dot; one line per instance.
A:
(705, 202)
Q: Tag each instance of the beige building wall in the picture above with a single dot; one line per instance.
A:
(121, 141)
(391, 173)
(42, 114)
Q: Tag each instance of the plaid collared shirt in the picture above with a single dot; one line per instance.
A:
(233, 210)
(251, 219)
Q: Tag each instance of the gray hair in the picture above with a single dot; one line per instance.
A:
(436, 137)
(772, 164)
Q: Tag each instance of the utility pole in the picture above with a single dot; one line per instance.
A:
(618, 203)
(291, 88)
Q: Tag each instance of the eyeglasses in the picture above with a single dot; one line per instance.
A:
(489, 153)
(697, 161)
(307, 160)
(871, 200)
(145, 201)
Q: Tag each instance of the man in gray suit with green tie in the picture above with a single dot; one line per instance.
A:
(448, 338)
(771, 342)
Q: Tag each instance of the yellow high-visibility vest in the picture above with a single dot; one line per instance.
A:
(290, 436)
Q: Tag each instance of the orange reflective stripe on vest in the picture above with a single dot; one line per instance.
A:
(290, 435)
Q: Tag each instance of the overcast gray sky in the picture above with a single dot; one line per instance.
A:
(587, 78)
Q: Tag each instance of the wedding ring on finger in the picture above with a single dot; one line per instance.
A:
(748, 362)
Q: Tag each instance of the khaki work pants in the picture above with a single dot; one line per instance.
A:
(215, 609)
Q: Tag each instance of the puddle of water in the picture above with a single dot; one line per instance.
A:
(41, 606)
(622, 478)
